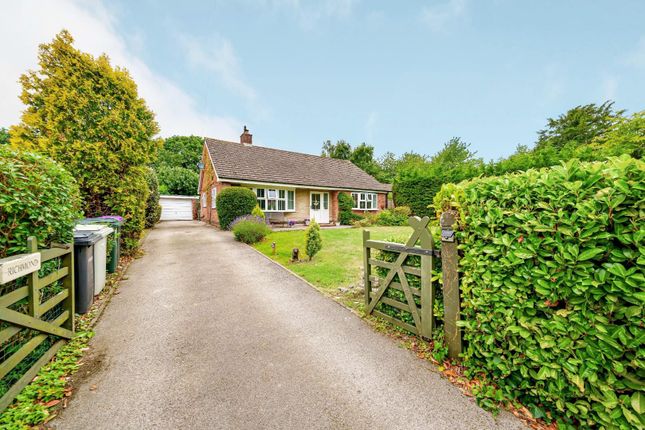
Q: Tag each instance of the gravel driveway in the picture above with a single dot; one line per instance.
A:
(207, 334)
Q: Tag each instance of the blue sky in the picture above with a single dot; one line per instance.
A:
(401, 76)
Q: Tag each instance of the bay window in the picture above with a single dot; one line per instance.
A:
(365, 201)
(276, 199)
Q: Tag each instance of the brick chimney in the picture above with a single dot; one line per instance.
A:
(246, 137)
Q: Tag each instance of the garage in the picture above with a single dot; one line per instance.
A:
(176, 208)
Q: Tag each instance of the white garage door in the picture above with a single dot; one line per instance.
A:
(176, 208)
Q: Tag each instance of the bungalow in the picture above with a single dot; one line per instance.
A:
(290, 186)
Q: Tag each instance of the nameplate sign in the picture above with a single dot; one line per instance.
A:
(19, 265)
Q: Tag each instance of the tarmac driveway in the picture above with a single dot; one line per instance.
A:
(207, 334)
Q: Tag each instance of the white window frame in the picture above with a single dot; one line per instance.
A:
(365, 201)
(203, 199)
(214, 198)
(274, 198)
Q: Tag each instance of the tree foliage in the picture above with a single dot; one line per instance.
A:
(37, 198)
(361, 156)
(176, 180)
(86, 114)
(341, 150)
(578, 126)
(4, 136)
(420, 179)
(587, 133)
(177, 165)
(181, 151)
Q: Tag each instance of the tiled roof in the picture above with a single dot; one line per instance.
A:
(258, 163)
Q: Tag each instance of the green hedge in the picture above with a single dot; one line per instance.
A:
(37, 198)
(129, 200)
(233, 202)
(415, 189)
(552, 286)
(153, 208)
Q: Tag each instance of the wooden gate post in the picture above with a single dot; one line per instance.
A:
(427, 290)
(367, 268)
(32, 281)
(451, 296)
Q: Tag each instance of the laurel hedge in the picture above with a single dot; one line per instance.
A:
(552, 279)
(37, 198)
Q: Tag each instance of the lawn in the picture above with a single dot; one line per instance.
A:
(338, 264)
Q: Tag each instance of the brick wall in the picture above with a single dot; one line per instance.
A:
(208, 182)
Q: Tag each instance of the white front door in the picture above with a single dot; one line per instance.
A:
(319, 207)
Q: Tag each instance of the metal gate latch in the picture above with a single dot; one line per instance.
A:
(447, 235)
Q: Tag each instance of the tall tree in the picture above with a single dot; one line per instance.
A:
(87, 115)
(626, 137)
(341, 149)
(177, 165)
(181, 151)
(363, 157)
(578, 126)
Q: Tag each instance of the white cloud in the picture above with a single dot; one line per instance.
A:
(554, 83)
(370, 126)
(309, 13)
(28, 23)
(609, 87)
(637, 56)
(439, 16)
(220, 59)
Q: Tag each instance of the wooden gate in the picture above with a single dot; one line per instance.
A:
(36, 318)
(397, 279)
(417, 303)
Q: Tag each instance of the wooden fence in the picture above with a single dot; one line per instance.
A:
(391, 287)
(36, 318)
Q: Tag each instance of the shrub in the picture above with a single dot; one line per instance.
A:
(87, 115)
(313, 241)
(387, 217)
(345, 214)
(250, 231)
(258, 212)
(552, 285)
(233, 202)
(393, 217)
(153, 208)
(367, 221)
(252, 218)
(37, 198)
